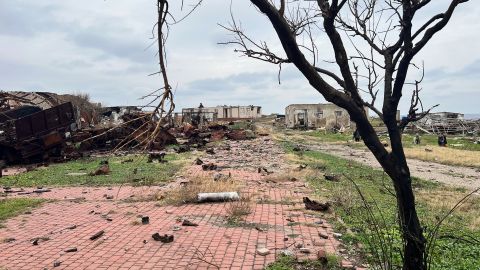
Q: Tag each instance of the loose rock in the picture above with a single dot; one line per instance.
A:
(263, 251)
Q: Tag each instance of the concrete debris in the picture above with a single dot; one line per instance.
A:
(158, 156)
(315, 206)
(166, 238)
(337, 235)
(263, 251)
(305, 250)
(322, 256)
(209, 167)
(97, 235)
(323, 235)
(287, 252)
(187, 222)
(103, 169)
(218, 197)
(332, 177)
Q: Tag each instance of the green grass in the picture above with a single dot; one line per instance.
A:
(330, 136)
(459, 245)
(290, 263)
(120, 172)
(12, 207)
(456, 142)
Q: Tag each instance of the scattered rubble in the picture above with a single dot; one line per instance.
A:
(209, 167)
(315, 206)
(218, 197)
(74, 249)
(166, 238)
(263, 251)
(103, 169)
(187, 222)
(332, 177)
(97, 235)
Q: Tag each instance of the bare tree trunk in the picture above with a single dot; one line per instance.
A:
(414, 249)
(395, 165)
(398, 170)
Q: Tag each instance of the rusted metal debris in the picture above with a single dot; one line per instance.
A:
(45, 127)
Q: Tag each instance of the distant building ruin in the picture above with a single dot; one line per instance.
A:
(446, 122)
(220, 113)
(322, 115)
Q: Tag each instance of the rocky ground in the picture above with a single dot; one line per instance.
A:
(59, 234)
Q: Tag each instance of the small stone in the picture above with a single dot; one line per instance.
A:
(263, 251)
(323, 235)
(176, 228)
(299, 245)
(347, 265)
(145, 220)
(287, 252)
(56, 263)
(319, 222)
(169, 211)
(285, 239)
(322, 255)
(187, 222)
(305, 250)
(337, 235)
(74, 249)
(97, 235)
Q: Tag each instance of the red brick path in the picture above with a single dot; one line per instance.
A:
(126, 245)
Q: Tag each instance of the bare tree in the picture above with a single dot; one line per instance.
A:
(382, 42)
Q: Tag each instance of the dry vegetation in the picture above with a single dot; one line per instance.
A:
(444, 200)
(188, 193)
(237, 210)
(445, 155)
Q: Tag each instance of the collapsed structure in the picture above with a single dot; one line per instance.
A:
(203, 114)
(321, 115)
(35, 126)
(447, 123)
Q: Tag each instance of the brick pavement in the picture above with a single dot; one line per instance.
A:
(129, 245)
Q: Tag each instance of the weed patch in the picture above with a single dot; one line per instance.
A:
(75, 173)
(12, 207)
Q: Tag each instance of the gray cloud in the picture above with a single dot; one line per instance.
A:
(99, 48)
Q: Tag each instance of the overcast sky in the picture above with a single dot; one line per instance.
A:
(102, 48)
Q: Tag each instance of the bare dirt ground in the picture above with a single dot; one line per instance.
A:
(451, 175)
(277, 222)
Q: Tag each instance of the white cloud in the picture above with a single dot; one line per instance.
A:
(99, 47)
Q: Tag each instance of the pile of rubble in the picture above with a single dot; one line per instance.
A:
(189, 136)
(37, 127)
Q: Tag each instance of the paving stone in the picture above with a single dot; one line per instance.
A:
(127, 247)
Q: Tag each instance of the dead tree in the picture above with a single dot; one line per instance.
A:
(384, 41)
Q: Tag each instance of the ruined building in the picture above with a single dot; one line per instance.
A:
(220, 113)
(321, 115)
